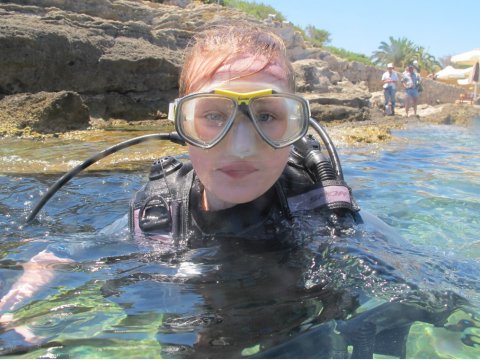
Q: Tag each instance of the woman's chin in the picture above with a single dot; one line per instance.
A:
(228, 199)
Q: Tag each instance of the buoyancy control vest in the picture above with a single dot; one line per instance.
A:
(170, 201)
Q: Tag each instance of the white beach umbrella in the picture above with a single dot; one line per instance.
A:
(473, 79)
(463, 82)
(467, 58)
(450, 73)
(475, 73)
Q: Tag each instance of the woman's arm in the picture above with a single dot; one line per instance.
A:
(38, 271)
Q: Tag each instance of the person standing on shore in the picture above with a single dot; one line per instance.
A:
(410, 81)
(390, 79)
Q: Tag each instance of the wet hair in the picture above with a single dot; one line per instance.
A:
(222, 45)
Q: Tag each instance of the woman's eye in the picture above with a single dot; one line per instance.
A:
(216, 118)
(265, 117)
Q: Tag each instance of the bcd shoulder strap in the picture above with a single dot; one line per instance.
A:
(160, 204)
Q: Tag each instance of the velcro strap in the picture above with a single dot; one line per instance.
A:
(332, 196)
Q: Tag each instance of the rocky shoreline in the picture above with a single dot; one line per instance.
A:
(378, 128)
(75, 66)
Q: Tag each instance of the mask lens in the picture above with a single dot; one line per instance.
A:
(280, 119)
(205, 119)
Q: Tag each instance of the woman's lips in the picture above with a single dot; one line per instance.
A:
(238, 170)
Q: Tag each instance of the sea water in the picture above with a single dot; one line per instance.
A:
(116, 300)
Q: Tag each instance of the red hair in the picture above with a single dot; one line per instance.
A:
(222, 45)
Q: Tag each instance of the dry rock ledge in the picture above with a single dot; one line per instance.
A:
(78, 65)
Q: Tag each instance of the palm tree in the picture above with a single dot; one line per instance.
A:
(426, 61)
(398, 51)
(402, 52)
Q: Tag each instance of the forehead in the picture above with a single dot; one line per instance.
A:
(249, 64)
(249, 74)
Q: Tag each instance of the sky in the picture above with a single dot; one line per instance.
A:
(443, 28)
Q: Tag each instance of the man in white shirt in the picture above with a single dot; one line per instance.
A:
(390, 78)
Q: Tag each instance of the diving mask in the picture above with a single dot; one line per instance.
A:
(204, 119)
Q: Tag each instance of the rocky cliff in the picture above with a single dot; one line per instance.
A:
(121, 59)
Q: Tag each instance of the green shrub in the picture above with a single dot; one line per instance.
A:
(316, 37)
(258, 10)
(349, 55)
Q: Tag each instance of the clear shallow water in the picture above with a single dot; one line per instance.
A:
(121, 299)
(426, 184)
(58, 155)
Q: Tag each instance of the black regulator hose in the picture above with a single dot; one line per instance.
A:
(314, 159)
(173, 136)
(323, 172)
(332, 152)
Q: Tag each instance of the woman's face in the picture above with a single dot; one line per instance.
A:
(242, 166)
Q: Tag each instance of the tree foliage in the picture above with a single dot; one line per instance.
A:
(398, 51)
(427, 61)
(402, 52)
(317, 37)
(258, 10)
(349, 55)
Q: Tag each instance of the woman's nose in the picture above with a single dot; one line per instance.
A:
(243, 138)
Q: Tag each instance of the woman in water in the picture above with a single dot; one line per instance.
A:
(257, 188)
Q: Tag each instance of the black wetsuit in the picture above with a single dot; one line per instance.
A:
(170, 203)
(257, 297)
(257, 251)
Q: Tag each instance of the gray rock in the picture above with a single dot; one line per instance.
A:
(51, 50)
(122, 58)
(314, 76)
(328, 113)
(45, 112)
